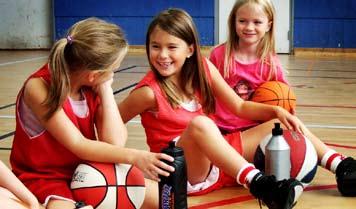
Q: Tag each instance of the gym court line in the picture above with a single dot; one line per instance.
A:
(22, 61)
(116, 71)
(241, 199)
(244, 198)
(133, 121)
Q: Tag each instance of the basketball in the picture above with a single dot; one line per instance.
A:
(303, 156)
(108, 185)
(275, 93)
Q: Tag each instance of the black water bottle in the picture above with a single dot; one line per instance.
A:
(173, 189)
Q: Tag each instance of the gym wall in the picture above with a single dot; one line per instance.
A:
(33, 24)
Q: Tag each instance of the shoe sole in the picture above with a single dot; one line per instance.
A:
(296, 194)
(348, 187)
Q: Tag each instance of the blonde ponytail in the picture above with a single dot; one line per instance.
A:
(60, 85)
(91, 44)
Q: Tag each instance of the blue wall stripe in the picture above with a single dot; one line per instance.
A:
(132, 8)
(317, 23)
(133, 16)
(325, 23)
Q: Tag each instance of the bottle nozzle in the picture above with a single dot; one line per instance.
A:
(172, 144)
(277, 125)
(172, 149)
(277, 130)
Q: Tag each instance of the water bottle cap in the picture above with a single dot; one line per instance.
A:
(172, 150)
(172, 144)
(277, 130)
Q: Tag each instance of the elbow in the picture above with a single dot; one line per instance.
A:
(237, 109)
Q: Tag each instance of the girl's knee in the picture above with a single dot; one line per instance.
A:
(201, 123)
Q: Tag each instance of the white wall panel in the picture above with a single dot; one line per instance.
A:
(25, 24)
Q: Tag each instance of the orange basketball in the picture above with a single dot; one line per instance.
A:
(275, 93)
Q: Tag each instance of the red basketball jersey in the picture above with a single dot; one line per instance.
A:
(42, 156)
(167, 122)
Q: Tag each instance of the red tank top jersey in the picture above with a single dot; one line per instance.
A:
(43, 157)
(167, 122)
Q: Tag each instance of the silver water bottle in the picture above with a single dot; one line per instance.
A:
(277, 154)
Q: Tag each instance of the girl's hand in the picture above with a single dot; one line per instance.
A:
(293, 111)
(103, 82)
(152, 165)
(290, 121)
(34, 204)
(32, 201)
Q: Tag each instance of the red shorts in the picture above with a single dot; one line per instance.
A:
(222, 179)
(45, 188)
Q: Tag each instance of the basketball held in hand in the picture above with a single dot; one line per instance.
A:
(275, 93)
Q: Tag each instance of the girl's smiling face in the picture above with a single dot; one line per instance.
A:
(251, 24)
(167, 53)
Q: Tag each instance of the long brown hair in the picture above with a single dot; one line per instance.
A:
(266, 47)
(90, 44)
(193, 78)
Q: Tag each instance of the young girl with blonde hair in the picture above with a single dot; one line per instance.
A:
(66, 114)
(248, 58)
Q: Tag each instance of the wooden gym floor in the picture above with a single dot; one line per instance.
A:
(326, 102)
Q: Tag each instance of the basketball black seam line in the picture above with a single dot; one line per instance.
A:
(116, 190)
(278, 100)
(133, 185)
(127, 194)
(272, 92)
(106, 191)
(281, 90)
(289, 95)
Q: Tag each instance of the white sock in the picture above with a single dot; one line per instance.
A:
(246, 174)
(331, 160)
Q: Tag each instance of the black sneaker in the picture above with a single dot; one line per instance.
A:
(346, 177)
(276, 194)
